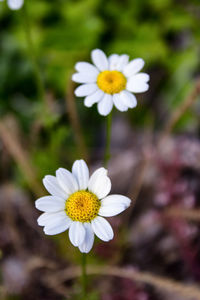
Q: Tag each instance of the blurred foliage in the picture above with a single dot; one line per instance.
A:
(163, 32)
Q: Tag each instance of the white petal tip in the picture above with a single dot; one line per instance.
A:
(103, 114)
(39, 223)
(76, 67)
(76, 93)
(88, 105)
(72, 77)
(96, 50)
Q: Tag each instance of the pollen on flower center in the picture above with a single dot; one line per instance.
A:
(111, 82)
(82, 206)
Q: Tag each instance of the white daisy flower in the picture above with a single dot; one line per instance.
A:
(14, 4)
(80, 203)
(110, 81)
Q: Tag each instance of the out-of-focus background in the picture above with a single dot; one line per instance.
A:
(155, 147)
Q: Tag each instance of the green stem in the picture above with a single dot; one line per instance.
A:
(108, 139)
(84, 275)
(31, 50)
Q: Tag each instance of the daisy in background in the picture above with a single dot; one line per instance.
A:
(14, 4)
(110, 81)
(80, 203)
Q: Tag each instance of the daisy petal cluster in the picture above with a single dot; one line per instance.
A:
(110, 81)
(80, 203)
(14, 4)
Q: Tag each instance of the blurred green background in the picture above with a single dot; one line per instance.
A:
(165, 33)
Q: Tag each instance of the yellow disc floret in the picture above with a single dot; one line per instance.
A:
(111, 82)
(82, 206)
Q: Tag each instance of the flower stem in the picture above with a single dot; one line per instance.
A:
(31, 50)
(84, 275)
(108, 139)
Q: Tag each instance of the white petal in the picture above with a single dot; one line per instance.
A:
(76, 233)
(84, 77)
(81, 172)
(88, 242)
(85, 89)
(101, 171)
(140, 77)
(52, 186)
(133, 67)
(84, 67)
(43, 218)
(99, 59)
(110, 211)
(47, 218)
(15, 4)
(50, 204)
(102, 229)
(100, 183)
(113, 60)
(122, 62)
(67, 181)
(58, 224)
(118, 102)
(113, 205)
(105, 105)
(137, 84)
(116, 199)
(128, 99)
(94, 98)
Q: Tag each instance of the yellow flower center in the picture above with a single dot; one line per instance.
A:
(111, 82)
(82, 206)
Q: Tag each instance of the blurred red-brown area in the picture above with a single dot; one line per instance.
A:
(158, 235)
